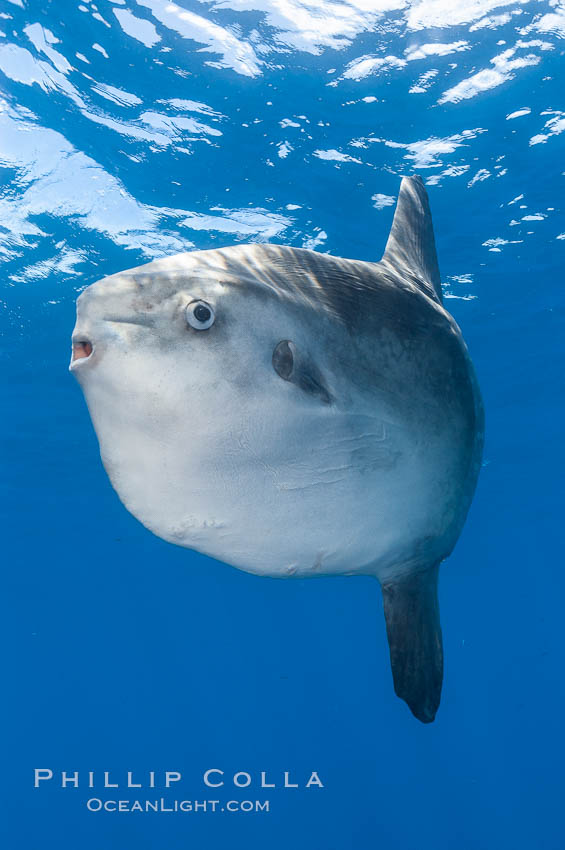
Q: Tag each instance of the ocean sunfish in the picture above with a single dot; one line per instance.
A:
(297, 414)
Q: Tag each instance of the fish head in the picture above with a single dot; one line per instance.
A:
(207, 385)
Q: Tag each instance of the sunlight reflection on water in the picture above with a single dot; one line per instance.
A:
(110, 88)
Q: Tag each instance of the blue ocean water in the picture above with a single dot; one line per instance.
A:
(134, 129)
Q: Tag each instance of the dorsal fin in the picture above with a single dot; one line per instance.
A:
(411, 246)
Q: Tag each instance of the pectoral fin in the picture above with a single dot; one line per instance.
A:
(411, 611)
(292, 365)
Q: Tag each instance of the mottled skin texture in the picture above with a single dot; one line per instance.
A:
(362, 459)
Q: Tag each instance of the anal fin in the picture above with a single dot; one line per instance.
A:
(411, 611)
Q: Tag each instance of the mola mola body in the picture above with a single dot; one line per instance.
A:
(295, 414)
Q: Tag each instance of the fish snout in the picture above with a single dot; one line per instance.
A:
(82, 350)
(96, 307)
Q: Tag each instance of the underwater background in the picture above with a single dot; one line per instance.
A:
(134, 129)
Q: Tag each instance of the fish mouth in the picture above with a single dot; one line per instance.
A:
(82, 350)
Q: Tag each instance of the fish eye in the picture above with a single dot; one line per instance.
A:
(200, 315)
